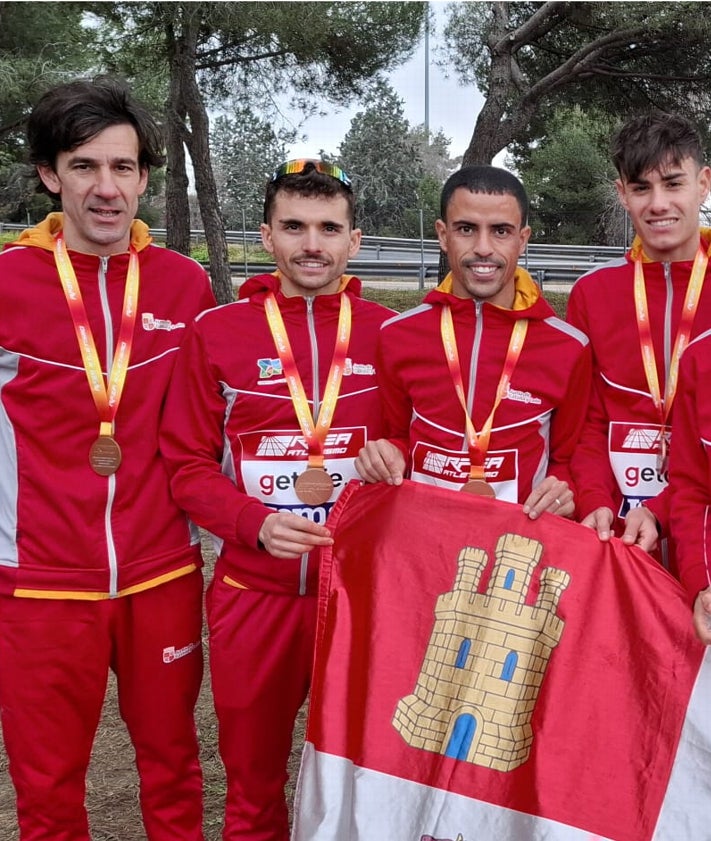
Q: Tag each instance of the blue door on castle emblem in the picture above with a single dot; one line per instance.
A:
(461, 739)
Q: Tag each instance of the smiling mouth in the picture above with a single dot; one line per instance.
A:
(311, 265)
(662, 223)
(482, 269)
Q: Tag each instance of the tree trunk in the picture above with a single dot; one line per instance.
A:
(177, 208)
(197, 140)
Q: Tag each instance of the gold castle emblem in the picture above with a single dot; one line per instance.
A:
(486, 659)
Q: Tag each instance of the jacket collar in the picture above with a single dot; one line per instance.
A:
(44, 234)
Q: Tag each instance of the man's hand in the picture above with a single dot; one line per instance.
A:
(702, 616)
(287, 535)
(601, 519)
(381, 461)
(552, 495)
(641, 529)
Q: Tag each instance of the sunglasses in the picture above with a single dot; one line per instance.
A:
(302, 164)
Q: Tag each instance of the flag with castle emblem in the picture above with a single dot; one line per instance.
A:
(481, 676)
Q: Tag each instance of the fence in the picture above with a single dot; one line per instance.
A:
(400, 258)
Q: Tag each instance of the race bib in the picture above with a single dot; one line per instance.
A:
(272, 461)
(633, 449)
(446, 469)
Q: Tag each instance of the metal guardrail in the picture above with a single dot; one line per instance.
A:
(542, 272)
(546, 263)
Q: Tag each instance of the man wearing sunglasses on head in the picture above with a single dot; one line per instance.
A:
(271, 401)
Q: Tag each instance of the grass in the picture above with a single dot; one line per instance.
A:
(402, 299)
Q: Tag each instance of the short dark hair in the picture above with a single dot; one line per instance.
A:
(484, 179)
(310, 182)
(71, 114)
(651, 140)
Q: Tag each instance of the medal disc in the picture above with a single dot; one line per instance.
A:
(314, 486)
(105, 455)
(479, 487)
(663, 456)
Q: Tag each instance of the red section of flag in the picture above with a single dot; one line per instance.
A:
(611, 703)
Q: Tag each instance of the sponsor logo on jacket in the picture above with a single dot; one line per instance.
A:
(272, 368)
(336, 443)
(171, 653)
(150, 322)
(522, 396)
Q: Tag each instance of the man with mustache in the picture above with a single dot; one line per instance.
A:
(271, 400)
(484, 389)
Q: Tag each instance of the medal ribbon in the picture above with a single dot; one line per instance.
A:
(106, 398)
(314, 433)
(479, 441)
(691, 303)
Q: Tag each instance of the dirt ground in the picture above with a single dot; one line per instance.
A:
(112, 784)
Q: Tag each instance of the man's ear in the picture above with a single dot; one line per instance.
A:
(266, 231)
(441, 231)
(49, 178)
(621, 193)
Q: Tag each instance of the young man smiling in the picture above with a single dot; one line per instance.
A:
(640, 311)
(271, 399)
(484, 388)
(99, 568)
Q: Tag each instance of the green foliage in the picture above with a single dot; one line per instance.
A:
(397, 170)
(40, 44)
(248, 52)
(530, 58)
(245, 152)
(255, 254)
(380, 156)
(569, 177)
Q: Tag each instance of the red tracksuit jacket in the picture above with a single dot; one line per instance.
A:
(690, 468)
(64, 530)
(615, 465)
(536, 424)
(230, 433)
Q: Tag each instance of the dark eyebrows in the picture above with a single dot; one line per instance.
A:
(668, 176)
(85, 159)
(464, 223)
(324, 224)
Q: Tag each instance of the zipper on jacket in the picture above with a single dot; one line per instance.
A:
(313, 339)
(474, 365)
(109, 327)
(667, 322)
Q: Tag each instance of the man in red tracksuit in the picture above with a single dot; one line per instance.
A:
(484, 389)
(640, 311)
(99, 568)
(270, 401)
(689, 483)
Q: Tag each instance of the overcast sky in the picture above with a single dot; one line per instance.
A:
(452, 106)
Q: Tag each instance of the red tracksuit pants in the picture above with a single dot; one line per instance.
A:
(261, 653)
(54, 661)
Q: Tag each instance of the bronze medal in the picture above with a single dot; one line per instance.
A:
(105, 455)
(479, 487)
(314, 486)
(663, 455)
